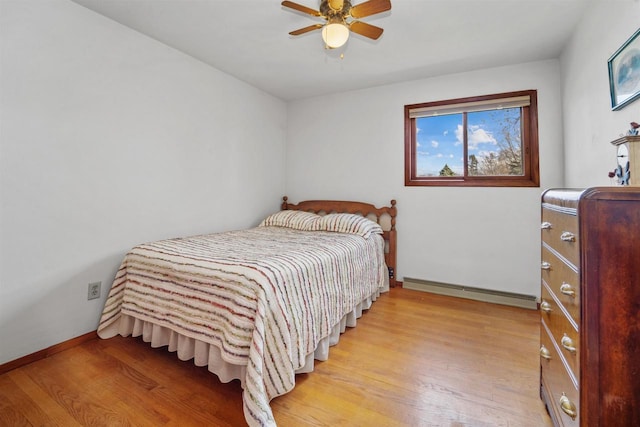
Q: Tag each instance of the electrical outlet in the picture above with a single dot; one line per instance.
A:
(94, 290)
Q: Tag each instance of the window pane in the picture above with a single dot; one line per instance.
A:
(439, 147)
(495, 143)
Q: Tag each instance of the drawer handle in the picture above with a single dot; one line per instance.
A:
(568, 344)
(545, 306)
(545, 353)
(567, 289)
(546, 226)
(568, 407)
(568, 236)
(545, 265)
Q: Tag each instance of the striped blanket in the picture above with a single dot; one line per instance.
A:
(265, 296)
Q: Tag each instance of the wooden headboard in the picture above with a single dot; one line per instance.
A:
(385, 216)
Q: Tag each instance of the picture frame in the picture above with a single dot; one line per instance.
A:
(624, 73)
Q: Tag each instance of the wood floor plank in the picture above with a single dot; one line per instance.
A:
(38, 401)
(415, 359)
(188, 384)
(16, 407)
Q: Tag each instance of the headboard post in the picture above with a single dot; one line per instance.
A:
(393, 212)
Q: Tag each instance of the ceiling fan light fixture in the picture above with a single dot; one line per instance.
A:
(335, 34)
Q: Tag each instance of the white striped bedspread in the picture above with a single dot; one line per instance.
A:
(265, 296)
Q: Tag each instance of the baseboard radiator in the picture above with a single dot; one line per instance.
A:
(479, 294)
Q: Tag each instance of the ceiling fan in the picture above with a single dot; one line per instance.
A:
(341, 17)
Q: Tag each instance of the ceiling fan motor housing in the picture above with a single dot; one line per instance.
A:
(330, 13)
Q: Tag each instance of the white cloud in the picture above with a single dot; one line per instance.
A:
(485, 153)
(458, 135)
(434, 143)
(477, 135)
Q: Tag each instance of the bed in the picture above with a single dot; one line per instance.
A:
(258, 305)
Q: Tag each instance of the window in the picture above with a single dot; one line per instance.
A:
(489, 141)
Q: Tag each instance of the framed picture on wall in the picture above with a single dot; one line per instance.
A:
(624, 73)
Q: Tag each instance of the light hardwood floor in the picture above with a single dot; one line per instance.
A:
(415, 359)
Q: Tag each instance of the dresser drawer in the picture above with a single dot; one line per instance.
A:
(560, 231)
(563, 281)
(559, 383)
(562, 331)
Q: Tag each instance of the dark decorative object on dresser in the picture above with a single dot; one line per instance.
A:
(590, 308)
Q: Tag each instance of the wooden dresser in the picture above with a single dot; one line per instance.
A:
(590, 306)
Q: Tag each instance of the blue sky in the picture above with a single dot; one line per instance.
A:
(439, 139)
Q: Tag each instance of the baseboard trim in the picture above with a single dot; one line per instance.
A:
(49, 351)
(478, 294)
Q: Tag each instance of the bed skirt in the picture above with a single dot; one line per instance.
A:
(209, 355)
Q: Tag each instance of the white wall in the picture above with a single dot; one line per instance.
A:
(590, 124)
(351, 146)
(109, 139)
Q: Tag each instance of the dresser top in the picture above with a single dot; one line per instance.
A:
(563, 197)
(571, 197)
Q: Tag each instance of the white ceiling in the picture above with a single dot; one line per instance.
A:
(249, 39)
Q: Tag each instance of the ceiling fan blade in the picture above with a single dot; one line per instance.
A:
(301, 8)
(369, 8)
(336, 4)
(306, 29)
(367, 30)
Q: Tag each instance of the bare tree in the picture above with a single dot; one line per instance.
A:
(473, 165)
(507, 159)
